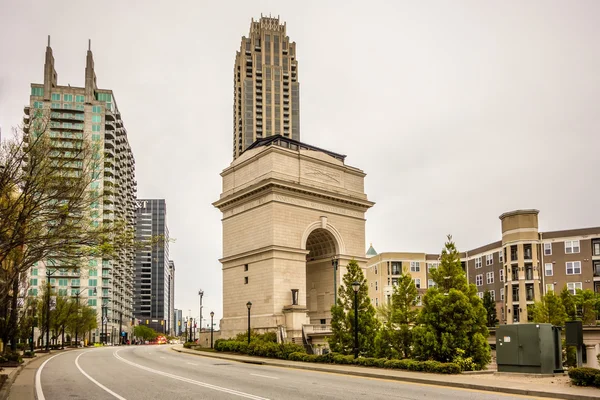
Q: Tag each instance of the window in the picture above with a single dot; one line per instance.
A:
(596, 248)
(478, 262)
(97, 109)
(55, 105)
(33, 292)
(513, 253)
(34, 271)
(430, 283)
(573, 267)
(571, 246)
(96, 118)
(62, 282)
(432, 265)
(37, 91)
(375, 270)
(501, 294)
(245, 267)
(93, 282)
(92, 302)
(79, 99)
(95, 128)
(480, 295)
(92, 294)
(93, 263)
(493, 295)
(396, 267)
(549, 287)
(515, 292)
(68, 97)
(376, 288)
(95, 136)
(490, 277)
(56, 97)
(74, 282)
(479, 280)
(501, 256)
(415, 266)
(376, 302)
(548, 268)
(489, 259)
(501, 273)
(418, 283)
(573, 286)
(394, 281)
(38, 104)
(547, 249)
(527, 252)
(62, 292)
(245, 280)
(33, 281)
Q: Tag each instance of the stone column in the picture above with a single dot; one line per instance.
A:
(592, 354)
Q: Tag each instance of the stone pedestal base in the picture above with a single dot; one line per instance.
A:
(592, 354)
(295, 317)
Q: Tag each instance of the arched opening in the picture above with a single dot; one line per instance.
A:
(321, 246)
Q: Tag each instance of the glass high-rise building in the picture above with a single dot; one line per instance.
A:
(266, 87)
(153, 278)
(90, 114)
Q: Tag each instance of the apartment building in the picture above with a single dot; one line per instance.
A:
(266, 87)
(517, 270)
(91, 114)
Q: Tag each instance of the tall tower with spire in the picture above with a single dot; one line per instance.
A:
(88, 114)
(266, 87)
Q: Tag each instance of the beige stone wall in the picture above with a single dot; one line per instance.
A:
(272, 199)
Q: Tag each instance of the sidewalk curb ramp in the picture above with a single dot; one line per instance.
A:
(371, 373)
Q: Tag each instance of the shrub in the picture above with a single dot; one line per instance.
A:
(28, 354)
(365, 361)
(15, 357)
(379, 362)
(465, 363)
(342, 359)
(297, 356)
(188, 345)
(585, 376)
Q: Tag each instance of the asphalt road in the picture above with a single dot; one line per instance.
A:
(156, 372)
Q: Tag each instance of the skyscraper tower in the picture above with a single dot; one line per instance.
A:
(266, 87)
(90, 114)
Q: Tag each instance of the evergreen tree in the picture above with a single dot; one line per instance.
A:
(569, 303)
(453, 316)
(550, 310)
(587, 302)
(395, 337)
(490, 308)
(342, 315)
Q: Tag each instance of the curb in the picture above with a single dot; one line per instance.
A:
(367, 374)
(5, 391)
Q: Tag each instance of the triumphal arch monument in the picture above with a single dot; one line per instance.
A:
(293, 217)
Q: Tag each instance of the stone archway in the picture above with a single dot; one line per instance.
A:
(321, 246)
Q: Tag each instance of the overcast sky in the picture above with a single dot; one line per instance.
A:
(457, 110)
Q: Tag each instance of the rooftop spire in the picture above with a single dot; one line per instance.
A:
(89, 44)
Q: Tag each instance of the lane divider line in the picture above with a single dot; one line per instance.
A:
(265, 376)
(101, 386)
(38, 379)
(187, 380)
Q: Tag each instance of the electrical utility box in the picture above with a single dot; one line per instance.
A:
(529, 348)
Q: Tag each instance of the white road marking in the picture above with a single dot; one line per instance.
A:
(265, 376)
(192, 364)
(101, 386)
(38, 379)
(193, 382)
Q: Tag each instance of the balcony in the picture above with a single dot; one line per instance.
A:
(317, 330)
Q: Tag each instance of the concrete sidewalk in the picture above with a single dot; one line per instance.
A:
(557, 387)
(20, 382)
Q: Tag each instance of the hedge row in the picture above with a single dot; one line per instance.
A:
(259, 348)
(295, 352)
(585, 376)
(409, 365)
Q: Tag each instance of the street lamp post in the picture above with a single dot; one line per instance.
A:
(201, 294)
(48, 288)
(212, 314)
(77, 319)
(249, 305)
(32, 327)
(104, 324)
(355, 287)
(120, 327)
